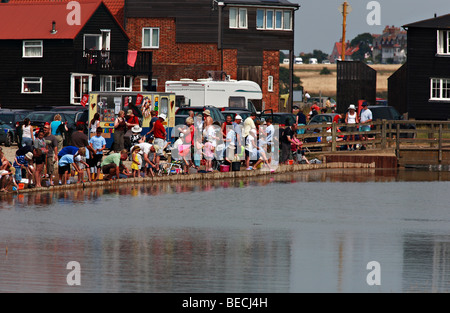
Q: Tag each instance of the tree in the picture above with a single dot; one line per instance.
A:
(284, 81)
(365, 42)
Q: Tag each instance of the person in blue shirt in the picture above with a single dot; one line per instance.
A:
(68, 150)
(98, 144)
(21, 163)
(64, 165)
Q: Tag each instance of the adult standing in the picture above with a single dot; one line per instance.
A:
(237, 127)
(351, 119)
(365, 118)
(58, 127)
(132, 120)
(249, 124)
(160, 137)
(286, 142)
(154, 118)
(52, 151)
(27, 133)
(94, 123)
(120, 126)
(300, 120)
(80, 140)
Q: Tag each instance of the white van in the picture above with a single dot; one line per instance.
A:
(312, 61)
(298, 61)
(286, 61)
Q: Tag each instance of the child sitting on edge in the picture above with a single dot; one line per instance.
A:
(136, 164)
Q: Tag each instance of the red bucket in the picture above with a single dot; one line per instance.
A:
(224, 168)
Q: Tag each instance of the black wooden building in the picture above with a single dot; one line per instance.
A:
(355, 81)
(50, 58)
(427, 87)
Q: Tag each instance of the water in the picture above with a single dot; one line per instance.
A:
(314, 231)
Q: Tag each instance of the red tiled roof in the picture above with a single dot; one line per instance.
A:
(114, 6)
(34, 20)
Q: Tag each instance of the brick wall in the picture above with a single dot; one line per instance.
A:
(271, 68)
(173, 61)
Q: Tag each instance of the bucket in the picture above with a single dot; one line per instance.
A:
(21, 186)
(224, 168)
(291, 162)
(236, 166)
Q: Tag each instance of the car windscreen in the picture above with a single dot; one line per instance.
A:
(7, 118)
(381, 113)
(41, 117)
(186, 111)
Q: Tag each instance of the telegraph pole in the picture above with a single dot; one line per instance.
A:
(345, 9)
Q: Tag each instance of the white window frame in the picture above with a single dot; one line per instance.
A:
(440, 88)
(115, 82)
(26, 44)
(72, 87)
(155, 81)
(443, 46)
(28, 79)
(241, 18)
(270, 83)
(270, 23)
(99, 36)
(150, 30)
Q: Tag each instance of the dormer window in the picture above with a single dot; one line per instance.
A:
(32, 49)
(443, 46)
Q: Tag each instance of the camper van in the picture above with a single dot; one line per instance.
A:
(109, 104)
(220, 94)
(313, 61)
(298, 61)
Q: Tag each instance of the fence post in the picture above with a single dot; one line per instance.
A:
(397, 140)
(333, 137)
(440, 143)
(383, 134)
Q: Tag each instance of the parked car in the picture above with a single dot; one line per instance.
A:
(323, 118)
(382, 112)
(243, 113)
(39, 118)
(7, 134)
(13, 118)
(280, 118)
(216, 114)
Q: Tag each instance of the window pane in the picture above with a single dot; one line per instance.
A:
(269, 19)
(260, 19)
(233, 18)
(32, 48)
(31, 85)
(91, 42)
(278, 19)
(243, 18)
(287, 20)
(155, 37)
(146, 37)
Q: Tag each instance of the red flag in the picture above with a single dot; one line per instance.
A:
(84, 100)
(131, 60)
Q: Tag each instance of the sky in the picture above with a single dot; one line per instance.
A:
(318, 23)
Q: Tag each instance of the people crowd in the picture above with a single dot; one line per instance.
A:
(202, 145)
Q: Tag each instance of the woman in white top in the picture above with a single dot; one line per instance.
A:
(95, 122)
(351, 118)
(27, 133)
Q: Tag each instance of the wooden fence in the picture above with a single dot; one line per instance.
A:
(428, 140)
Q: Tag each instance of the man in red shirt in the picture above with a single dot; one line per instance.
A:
(160, 137)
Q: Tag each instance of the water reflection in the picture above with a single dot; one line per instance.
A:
(75, 196)
(148, 238)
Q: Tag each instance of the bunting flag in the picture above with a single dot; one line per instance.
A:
(84, 100)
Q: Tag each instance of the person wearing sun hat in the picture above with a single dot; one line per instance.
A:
(135, 137)
(351, 119)
(21, 163)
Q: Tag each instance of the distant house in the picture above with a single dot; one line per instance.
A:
(336, 54)
(427, 89)
(45, 61)
(241, 39)
(390, 46)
